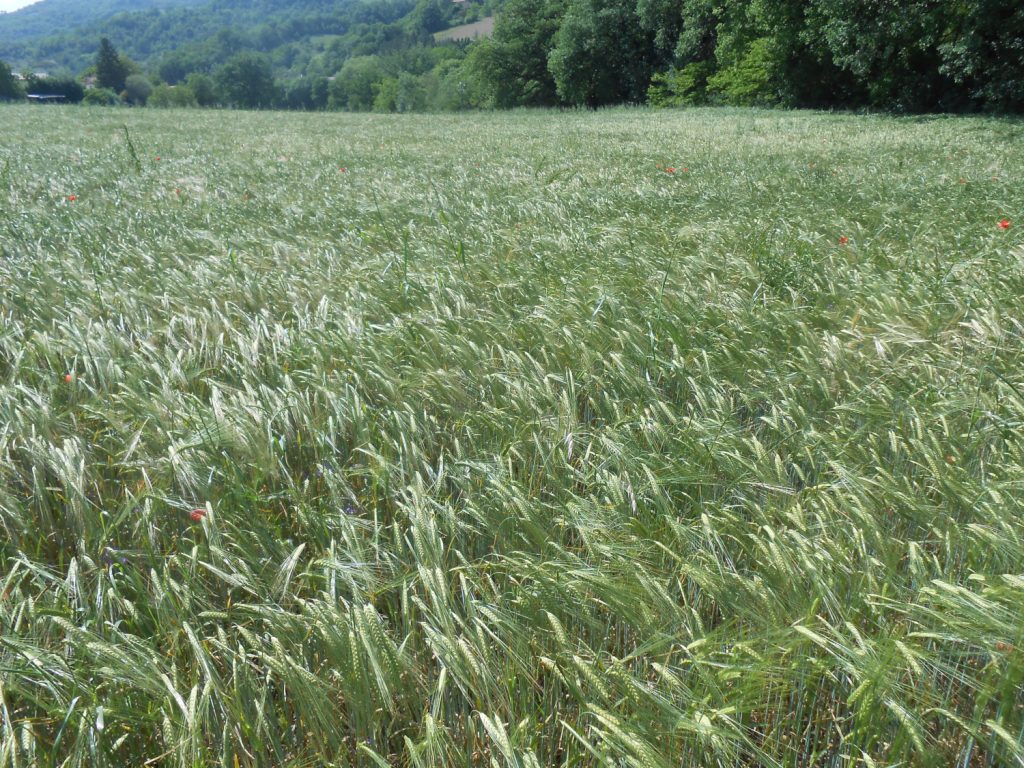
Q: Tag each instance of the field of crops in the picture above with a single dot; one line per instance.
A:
(625, 438)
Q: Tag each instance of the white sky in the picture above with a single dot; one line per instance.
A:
(13, 5)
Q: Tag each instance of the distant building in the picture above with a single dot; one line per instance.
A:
(89, 81)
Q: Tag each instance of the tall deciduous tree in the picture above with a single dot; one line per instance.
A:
(203, 88)
(601, 54)
(355, 86)
(891, 47)
(246, 80)
(137, 88)
(983, 51)
(513, 65)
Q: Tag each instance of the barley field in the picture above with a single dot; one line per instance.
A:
(627, 438)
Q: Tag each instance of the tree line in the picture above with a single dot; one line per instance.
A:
(907, 55)
(901, 55)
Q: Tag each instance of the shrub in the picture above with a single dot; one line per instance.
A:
(100, 97)
(748, 82)
(165, 96)
(680, 87)
(138, 89)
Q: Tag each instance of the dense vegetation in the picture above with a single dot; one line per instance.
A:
(927, 55)
(626, 438)
(44, 17)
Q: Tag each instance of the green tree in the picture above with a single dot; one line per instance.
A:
(601, 54)
(748, 81)
(890, 48)
(454, 86)
(100, 97)
(203, 89)
(983, 52)
(111, 69)
(355, 87)
(164, 96)
(9, 87)
(662, 19)
(680, 86)
(699, 23)
(431, 16)
(298, 94)
(411, 96)
(801, 69)
(246, 81)
(318, 92)
(137, 89)
(512, 66)
(385, 95)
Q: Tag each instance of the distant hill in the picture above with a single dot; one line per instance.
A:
(49, 17)
(177, 36)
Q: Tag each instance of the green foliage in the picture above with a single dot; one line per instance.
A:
(512, 66)
(10, 89)
(137, 89)
(318, 92)
(111, 69)
(662, 20)
(67, 87)
(601, 54)
(699, 24)
(167, 96)
(982, 51)
(680, 87)
(404, 93)
(203, 89)
(510, 448)
(355, 86)
(247, 81)
(431, 16)
(385, 95)
(100, 97)
(204, 36)
(748, 82)
(40, 19)
(891, 47)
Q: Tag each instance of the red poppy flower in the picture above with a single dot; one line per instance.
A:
(72, 198)
(342, 170)
(197, 515)
(1004, 224)
(158, 158)
(843, 240)
(177, 190)
(686, 170)
(670, 170)
(68, 378)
